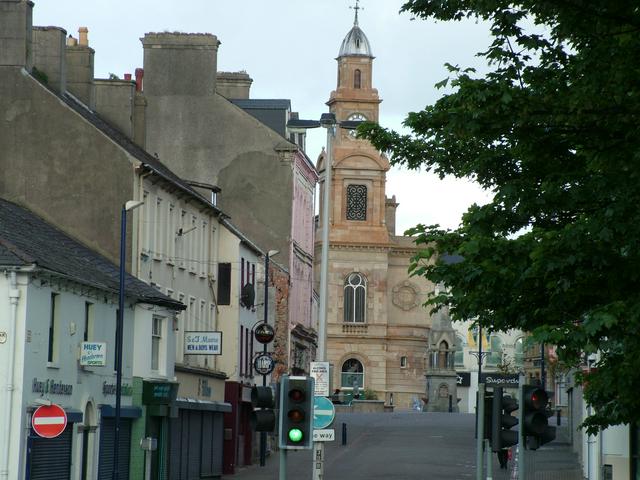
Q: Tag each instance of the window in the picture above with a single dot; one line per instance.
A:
(224, 284)
(158, 229)
(171, 233)
(357, 78)
(156, 339)
(356, 202)
(518, 352)
(204, 248)
(355, 293)
(241, 350)
(403, 362)
(495, 352)
(88, 321)
(352, 374)
(54, 320)
(180, 240)
(459, 355)
(148, 236)
(193, 244)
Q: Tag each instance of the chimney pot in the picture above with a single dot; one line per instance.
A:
(84, 39)
(127, 76)
(139, 76)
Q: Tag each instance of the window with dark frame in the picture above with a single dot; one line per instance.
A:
(53, 320)
(356, 202)
(224, 284)
(88, 321)
(241, 350)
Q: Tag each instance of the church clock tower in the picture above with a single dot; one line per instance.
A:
(377, 329)
(358, 213)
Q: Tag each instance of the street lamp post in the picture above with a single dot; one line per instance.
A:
(263, 435)
(130, 205)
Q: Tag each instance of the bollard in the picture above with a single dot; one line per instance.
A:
(558, 417)
(344, 433)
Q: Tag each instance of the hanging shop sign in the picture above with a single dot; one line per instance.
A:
(264, 364)
(93, 354)
(264, 333)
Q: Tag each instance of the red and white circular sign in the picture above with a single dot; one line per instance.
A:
(49, 421)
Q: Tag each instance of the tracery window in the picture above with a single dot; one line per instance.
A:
(355, 295)
(357, 202)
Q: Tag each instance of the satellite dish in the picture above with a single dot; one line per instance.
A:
(247, 296)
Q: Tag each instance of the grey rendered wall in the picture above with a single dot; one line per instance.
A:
(49, 55)
(202, 136)
(57, 164)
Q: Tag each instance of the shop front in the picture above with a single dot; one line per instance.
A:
(238, 436)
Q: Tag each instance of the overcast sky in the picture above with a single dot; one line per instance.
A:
(289, 48)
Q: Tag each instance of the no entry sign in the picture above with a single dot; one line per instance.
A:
(49, 421)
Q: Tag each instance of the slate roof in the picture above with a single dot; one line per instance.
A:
(263, 103)
(26, 239)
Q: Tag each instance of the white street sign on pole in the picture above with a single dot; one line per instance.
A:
(320, 372)
(324, 435)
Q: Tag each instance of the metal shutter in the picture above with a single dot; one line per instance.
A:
(50, 458)
(107, 434)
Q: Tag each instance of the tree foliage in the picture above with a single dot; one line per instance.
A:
(553, 130)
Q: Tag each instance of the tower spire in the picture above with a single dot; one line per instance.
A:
(356, 8)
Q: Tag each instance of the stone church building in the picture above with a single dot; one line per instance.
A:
(378, 332)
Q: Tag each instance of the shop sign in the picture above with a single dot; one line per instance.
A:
(203, 343)
(51, 387)
(93, 354)
(264, 364)
(264, 333)
(110, 389)
(509, 380)
(159, 393)
(463, 379)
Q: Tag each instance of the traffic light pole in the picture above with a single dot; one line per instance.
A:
(480, 436)
(521, 437)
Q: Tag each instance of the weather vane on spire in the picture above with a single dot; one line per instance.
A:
(356, 8)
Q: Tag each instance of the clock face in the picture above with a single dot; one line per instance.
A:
(355, 117)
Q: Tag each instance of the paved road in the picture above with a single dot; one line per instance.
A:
(408, 446)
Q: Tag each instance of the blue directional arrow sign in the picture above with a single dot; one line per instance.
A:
(323, 412)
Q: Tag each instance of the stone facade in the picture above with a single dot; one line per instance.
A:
(377, 329)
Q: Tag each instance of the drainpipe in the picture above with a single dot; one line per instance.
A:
(14, 295)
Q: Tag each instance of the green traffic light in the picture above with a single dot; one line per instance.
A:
(295, 435)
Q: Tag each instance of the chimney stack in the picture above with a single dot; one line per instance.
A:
(49, 56)
(83, 36)
(80, 68)
(180, 64)
(16, 22)
(139, 77)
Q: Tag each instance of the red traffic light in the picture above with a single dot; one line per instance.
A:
(536, 399)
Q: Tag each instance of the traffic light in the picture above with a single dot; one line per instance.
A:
(296, 412)
(536, 423)
(263, 418)
(502, 420)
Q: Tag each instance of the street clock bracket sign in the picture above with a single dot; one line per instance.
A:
(264, 333)
(264, 364)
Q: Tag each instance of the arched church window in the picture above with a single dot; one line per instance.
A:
(356, 202)
(357, 78)
(352, 374)
(355, 298)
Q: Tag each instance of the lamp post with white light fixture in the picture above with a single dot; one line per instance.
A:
(130, 205)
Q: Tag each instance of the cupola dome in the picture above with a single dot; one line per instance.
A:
(355, 43)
